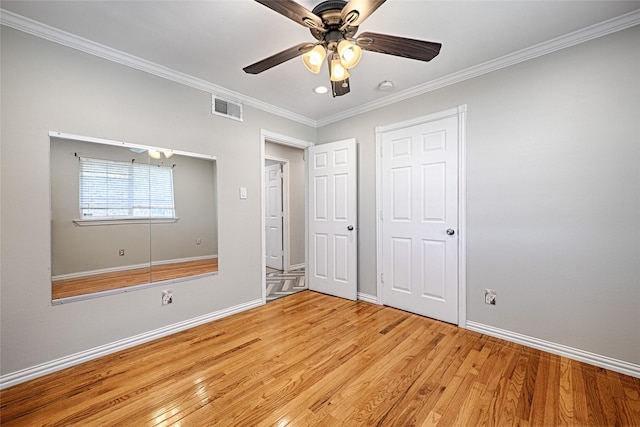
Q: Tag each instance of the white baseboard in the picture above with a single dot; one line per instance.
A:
(368, 298)
(33, 372)
(129, 267)
(606, 362)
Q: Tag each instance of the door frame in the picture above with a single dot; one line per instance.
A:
(461, 113)
(276, 138)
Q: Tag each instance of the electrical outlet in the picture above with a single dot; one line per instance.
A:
(198, 240)
(167, 297)
(490, 296)
(121, 252)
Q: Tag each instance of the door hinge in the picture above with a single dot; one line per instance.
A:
(381, 277)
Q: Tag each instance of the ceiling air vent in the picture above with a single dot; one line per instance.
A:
(226, 108)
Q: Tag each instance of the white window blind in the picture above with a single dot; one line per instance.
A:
(125, 189)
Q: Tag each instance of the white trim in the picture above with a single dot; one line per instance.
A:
(461, 113)
(604, 28)
(284, 139)
(378, 193)
(73, 41)
(422, 119)
(462, 216)
(42, 369)
(276, 138)
(368, 298)
(47, 32)
(130, 267)
(606, 362)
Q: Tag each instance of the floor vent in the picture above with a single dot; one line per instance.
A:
(226, 108)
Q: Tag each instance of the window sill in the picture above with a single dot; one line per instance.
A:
(120, 221)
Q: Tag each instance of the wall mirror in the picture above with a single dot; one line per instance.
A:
(127, 216)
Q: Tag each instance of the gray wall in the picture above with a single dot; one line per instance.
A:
(553, 193)
(46, 87)
(297, 186)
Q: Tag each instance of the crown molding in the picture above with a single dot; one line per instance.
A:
(73, 41)
(47, 32)
(604, 28)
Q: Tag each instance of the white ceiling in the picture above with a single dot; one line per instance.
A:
(213, 40)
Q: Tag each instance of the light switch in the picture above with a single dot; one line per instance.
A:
(243, 192)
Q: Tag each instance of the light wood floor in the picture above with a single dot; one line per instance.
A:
(310, 359)
(64, 288)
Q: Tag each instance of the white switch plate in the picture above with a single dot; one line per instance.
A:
(243, 192)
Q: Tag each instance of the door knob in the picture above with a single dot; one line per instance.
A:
(451, 231)
(350, 228)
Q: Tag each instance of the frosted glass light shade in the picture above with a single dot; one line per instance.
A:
(338, 71)
(314, 58)
(350, 54)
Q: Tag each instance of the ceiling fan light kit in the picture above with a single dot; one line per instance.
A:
(334, 23)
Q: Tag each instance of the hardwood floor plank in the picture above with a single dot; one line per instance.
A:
(565, 396)
(311, 359)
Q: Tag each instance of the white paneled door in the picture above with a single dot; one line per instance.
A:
(420, 218)
(332, 190)
(273, 216)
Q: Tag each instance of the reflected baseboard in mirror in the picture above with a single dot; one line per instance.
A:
(65, 288)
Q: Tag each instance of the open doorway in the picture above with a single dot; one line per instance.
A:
(284, 209)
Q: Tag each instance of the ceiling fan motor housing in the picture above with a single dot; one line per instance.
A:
(329, 5)
(330, 13)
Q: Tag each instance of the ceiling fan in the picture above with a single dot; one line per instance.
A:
(334, 24)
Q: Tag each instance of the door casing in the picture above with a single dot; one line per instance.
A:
(460, 112)
(276, 138)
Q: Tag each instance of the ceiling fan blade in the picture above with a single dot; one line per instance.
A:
(295, 12)
(399, 46)
(356, 11)
(278, 58)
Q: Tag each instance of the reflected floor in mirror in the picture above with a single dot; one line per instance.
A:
(66, 288)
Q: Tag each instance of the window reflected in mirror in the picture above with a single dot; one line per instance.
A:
(125, 217)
